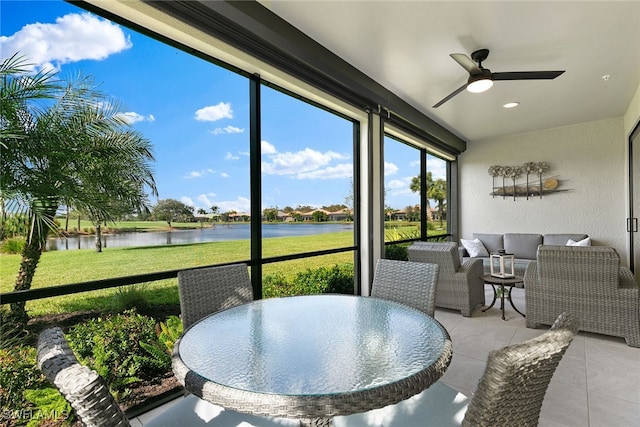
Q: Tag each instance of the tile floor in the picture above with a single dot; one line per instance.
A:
(597, 384)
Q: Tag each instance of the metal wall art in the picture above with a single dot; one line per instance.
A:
(535, 185)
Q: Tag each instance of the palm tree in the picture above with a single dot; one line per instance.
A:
(64, 144)
(436, 190)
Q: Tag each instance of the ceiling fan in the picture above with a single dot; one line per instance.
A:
(481, 79)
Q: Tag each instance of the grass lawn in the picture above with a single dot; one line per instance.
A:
(75, 266)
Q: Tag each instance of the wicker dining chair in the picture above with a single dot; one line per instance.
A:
(94, 405)
(510, 391)
(512, 388)
(204, 291)
(408, 283)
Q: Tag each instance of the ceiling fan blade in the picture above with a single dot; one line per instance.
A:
(451, 95)
(466, 62)
(526, 75)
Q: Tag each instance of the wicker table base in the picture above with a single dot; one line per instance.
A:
(502, 282)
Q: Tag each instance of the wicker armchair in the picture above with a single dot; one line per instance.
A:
(459, 285)
(408, 283)
(204, 291)
(510, 391)
(587, 281)
(89, 396)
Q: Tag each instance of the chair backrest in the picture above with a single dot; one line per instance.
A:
(82, 387)
(408, 283)
(445, 254)
(204, 291)
(512, 388)
(582, 266)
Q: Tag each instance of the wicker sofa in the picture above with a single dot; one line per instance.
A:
(459, 285)
(522, 245)
(586, 281)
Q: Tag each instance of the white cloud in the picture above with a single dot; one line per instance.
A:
(241, 204)
(267, 148)
(204, 200)
(212, 113)
(230, 156)
(438, 168)
(414, 163)
(73, 37)
(397, 183)
(199, 173)
(187, 201)
(227, 130)
(224, 175)
(299, 163)
(344, 170)
(390, 169)
(133, 117)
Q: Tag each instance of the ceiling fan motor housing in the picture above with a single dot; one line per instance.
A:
(480, 55)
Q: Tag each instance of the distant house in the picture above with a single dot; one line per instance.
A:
(339, 215)
(240, 217)
(399, 215)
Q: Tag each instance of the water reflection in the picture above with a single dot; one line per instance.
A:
(217, 234)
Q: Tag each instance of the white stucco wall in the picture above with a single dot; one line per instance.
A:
(632, 116)
(588, 159)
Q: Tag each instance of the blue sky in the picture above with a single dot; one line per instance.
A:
(196, 115)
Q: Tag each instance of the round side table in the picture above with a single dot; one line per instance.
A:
(502, 282)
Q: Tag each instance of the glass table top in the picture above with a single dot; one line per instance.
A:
(312, 345)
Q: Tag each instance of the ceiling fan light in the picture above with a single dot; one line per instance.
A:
(479, 85)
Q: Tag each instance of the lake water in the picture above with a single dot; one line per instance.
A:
(218, 234)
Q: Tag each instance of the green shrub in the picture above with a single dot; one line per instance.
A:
(130, 297)
(49, 405)
(397, 252)
(18, 373)
(336, 280)
(111, 346)
(12, 246)
(275, 285)
(169, 332)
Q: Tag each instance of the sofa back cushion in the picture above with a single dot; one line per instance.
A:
(493, 242)
(522, 245)
(561, 239)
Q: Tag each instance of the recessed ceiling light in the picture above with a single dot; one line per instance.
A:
(511, 104)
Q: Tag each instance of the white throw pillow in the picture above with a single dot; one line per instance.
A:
(475, 248)
(584, 242)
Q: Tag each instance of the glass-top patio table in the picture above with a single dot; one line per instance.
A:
(312, 357)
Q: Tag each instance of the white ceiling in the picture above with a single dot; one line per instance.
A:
(405, 46)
